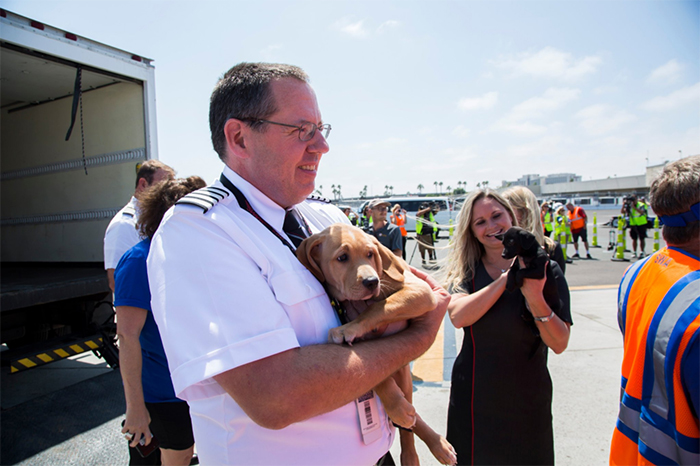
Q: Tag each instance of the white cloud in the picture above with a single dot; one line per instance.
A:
(601, 119)
(550, 63)
(552, 99)
(518, 120)
(354, 29)
(485, 102)
(461, 131)
(387, 26)
(669, 73)
(269, 51)
(679, 98)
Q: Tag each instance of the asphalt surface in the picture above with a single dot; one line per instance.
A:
(70, 412)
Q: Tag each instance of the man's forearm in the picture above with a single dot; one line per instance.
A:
(308, 381)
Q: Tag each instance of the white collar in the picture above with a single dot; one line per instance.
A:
(268, 209)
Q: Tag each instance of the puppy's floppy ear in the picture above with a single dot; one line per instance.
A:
(391, 266)
(527, 239)
(308, 253)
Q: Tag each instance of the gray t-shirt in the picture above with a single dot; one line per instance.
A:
(389, 235)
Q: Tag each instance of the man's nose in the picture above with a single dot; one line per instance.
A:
(318, 144)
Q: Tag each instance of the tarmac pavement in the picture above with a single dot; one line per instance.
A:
(71, 414)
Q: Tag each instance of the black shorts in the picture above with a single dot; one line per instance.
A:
(582, 233)
(638, 231)
(171, 424)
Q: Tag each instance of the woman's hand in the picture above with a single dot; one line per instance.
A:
(532, 288)
(136, 425)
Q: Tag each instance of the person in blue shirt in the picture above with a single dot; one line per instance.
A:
(152, 409)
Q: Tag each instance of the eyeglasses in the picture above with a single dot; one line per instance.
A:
(306, 130)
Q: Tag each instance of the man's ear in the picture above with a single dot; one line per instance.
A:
(235, 131)
(141, 185)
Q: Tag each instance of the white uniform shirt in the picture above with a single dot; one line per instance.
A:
(226, 292)
(121, 234)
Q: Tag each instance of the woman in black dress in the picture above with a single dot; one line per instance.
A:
(501, 395)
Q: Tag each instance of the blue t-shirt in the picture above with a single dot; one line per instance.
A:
(131, 289)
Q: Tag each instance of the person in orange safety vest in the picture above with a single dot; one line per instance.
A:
(659, 316)
(398, 218)
(578, 219)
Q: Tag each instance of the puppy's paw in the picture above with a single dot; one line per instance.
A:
(401, 412)
(335, 335)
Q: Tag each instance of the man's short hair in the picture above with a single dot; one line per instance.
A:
(244, 92)
(148, 169)
(673, 192)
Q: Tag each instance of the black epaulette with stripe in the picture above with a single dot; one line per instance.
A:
(129, 211)
(314, 197)
(205, 198)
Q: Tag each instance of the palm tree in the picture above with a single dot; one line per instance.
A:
(449, 188)
(363, 193)
(420, 188)
(391, 190)
(435, 184)
(440, 183)
(339, 193)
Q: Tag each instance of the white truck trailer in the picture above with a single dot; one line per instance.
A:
(76, 118)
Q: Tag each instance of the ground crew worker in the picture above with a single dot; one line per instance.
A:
(425, 230)
(578, 219)
(659, 315)
(638, 224)
(546, 217)
(398, 218)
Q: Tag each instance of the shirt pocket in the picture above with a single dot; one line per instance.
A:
(295, 286)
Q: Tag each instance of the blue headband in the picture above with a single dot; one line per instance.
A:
(682, 219)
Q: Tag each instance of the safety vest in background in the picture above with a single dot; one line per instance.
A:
(420, 224)
(400, 220)
(577, 219)
(637, 218)
(547, 222)
(658, 313)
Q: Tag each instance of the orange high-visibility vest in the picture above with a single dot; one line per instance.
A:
(577, 219)
(400, 220)
(658, 313)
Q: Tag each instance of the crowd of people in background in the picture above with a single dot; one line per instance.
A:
(223, 333)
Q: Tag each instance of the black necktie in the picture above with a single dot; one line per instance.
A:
(294, 227)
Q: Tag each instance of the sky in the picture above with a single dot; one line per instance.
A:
(425, 92)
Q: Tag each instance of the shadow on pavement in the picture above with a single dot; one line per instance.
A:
(47, 421)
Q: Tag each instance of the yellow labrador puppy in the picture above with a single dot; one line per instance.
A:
(355, 267)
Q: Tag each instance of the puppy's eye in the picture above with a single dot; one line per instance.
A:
(342, 258)
(370, 254)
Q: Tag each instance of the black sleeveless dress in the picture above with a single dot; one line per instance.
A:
(501, 394)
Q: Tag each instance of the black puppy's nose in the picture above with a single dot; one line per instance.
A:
(370, 283)
(500, 237)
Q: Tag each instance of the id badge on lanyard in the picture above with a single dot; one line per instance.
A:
(368, 412)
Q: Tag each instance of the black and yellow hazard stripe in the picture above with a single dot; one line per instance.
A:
(39, 359)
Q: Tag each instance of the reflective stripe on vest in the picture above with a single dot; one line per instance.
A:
(576, 218)
(548, 222)
(654, 411)
(420, 221)
(637, 218)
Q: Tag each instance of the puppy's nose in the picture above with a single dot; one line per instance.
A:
(370, 283)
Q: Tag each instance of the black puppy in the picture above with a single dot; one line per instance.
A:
(522, 243)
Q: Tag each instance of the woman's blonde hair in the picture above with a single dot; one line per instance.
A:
(524, 203)
(466, 251)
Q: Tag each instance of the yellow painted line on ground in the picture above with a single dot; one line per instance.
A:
(428, 367)
(592, 287)
(61, 353)
(27, 362)
(44, 357)
(91, 344)
(77, 348)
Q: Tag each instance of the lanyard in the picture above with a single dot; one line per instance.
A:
(245, 205)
